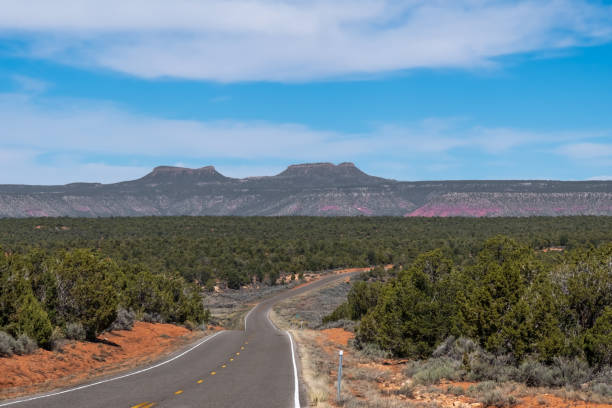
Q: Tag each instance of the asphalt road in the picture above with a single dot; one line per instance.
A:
(254, 368)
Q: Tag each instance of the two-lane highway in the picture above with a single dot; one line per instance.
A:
(257, 368)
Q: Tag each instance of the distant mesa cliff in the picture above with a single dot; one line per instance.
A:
(305, 189)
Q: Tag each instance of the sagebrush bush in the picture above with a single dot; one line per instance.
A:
(603, 375)
(497, 398)
(535, 374)
(152, 318)
(486, 366)
(455, 348)
(602, 389)
(57, 338)
(7, 344)
(25, 345)
(75, 331)
(562, 372)
(124, 320)
(433, 370)
(372, 350)
(455, 390)
(407, 390)
(574, 372)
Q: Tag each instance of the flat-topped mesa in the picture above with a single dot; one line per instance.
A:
(308, 169)
(327, 174)
(172, 173)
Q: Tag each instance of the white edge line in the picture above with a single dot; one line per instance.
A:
(114, 378)
(296, 385)
(247, 316)
(296, 393)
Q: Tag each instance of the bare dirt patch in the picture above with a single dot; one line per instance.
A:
(380, 382)
(338, 336)
(81, 361)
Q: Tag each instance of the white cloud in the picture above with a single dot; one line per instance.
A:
(21, 166)
(601, 178)
(29, 84)
(79, 126)
(585, 151)
(56, 141)
(288, 40)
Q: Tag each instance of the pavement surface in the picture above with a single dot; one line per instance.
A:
(254, 368)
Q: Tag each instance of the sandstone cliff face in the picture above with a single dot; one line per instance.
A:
(321, 189)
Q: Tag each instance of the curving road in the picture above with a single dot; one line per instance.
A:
(255, 368)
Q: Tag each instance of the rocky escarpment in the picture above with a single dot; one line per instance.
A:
(321, 189)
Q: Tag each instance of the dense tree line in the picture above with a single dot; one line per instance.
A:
(80, 293)
(238, 250)
(508, 299)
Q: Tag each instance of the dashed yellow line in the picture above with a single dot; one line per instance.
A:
(144, 405)
(179, 392)
(237, 353)
(231, 359)
(200, 381)
(223, 366)
(241, 347)
(213, 373)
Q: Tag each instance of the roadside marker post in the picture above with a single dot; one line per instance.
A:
(340, 353)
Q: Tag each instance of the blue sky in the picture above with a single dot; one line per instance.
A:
(406, 89)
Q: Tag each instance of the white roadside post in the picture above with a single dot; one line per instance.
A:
(339, 373)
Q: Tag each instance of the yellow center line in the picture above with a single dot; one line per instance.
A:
(223, 366)
(178, 392)
(238, 353)
(212, 373)
(242, 348)
(231, 359)
(149, 406)
(141, 405)
(200, 381)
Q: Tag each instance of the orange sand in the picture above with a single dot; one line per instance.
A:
(80, 361)
(338, 336)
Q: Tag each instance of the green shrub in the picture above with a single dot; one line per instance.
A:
(598, 340)
(88, 290)
(33, 321)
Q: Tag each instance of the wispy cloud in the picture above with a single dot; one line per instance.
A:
(286, 40)
(29, 84)
(583, 151)
(52, 140)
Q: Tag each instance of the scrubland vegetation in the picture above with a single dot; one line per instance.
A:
(509, 314)
(63, 277)
(77, 294)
